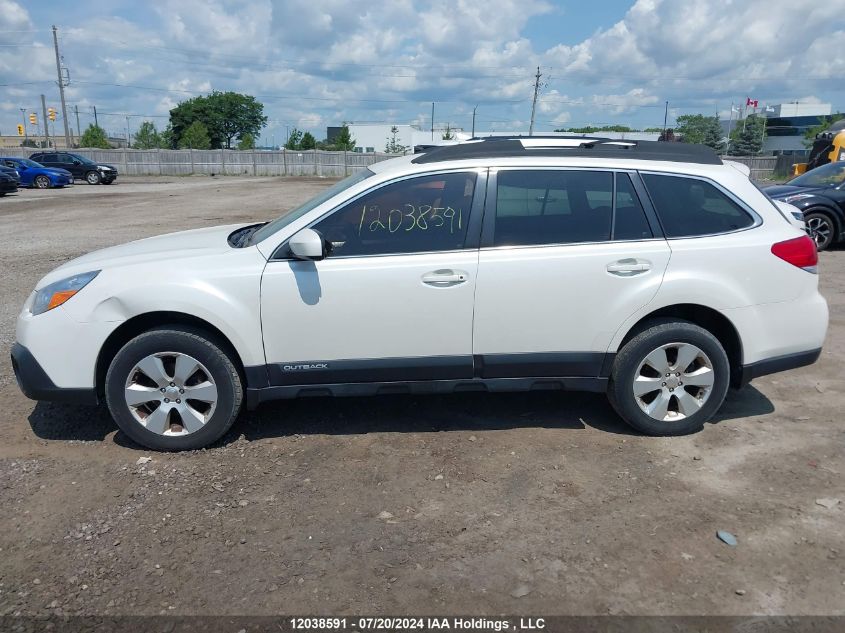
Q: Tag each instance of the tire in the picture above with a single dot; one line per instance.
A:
(42, 182)
(688, 406)
(92, 177)
(166, 422)
(821, 227)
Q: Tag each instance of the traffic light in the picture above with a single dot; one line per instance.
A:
(20, 130)
(33, 118)
(51, 114)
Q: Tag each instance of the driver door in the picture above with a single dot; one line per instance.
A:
(392, 301)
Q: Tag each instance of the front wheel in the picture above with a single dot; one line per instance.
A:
(42, 182)
(93, 178)
(173, 389)
(821, 228)
(669, 379)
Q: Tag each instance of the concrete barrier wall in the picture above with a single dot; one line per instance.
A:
(167, 162)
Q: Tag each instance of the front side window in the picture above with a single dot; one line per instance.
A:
(688, 207)
(416, 215)
(552, 207)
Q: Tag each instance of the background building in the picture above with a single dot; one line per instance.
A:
(786, 124)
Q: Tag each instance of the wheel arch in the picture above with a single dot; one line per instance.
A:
(829, 210)
(711, 320)
(141, 323)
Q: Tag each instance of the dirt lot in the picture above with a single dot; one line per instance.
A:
(540, 503)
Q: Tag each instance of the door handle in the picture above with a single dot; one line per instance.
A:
(628, 267)
(444, 278)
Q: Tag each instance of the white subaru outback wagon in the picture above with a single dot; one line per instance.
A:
(653, 272)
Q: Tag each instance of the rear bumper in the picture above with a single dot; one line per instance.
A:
(778, 364)
(36, 384)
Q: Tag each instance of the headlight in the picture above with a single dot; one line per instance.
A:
(103, 168)
(797, 196)
(57, 293)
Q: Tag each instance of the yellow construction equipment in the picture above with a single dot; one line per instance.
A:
(829, 147)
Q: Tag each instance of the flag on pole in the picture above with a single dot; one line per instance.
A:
(769, 109)
(735, 109)
(751, 102)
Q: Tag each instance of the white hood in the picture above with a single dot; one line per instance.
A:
(173, 246)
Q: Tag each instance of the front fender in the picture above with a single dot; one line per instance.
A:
(819, 203)
(226, 296)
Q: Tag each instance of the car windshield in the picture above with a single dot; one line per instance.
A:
(30, 163)
(82, 159)
(826, 175)
(279, 223)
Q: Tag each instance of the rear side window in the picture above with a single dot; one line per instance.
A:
(688, 207)
(552, 207)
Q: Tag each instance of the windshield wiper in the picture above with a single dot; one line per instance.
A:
(243, 236)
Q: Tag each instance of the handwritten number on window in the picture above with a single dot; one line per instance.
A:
(411, 218)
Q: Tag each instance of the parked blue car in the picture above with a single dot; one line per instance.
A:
(37, 175)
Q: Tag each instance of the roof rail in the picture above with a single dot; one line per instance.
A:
(580, 146)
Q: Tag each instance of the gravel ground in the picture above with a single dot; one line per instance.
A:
(517, 503)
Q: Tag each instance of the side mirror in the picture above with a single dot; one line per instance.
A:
(76, 161)
(309, 245)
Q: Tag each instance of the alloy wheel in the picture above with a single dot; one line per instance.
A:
(171, 393)
(820, 230)
(673, 381)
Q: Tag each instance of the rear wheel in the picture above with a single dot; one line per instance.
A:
(42, 182)
(821, 228)
(92, 178)
(173, 389)
(669, 379)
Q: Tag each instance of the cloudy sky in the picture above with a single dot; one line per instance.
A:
(315, 63)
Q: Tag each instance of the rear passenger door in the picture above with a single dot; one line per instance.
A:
(567, 255)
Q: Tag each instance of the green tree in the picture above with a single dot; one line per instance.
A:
(166, 138)
(294, 139)
(700, 129)
(94, 136)
(448, 134)
(344, 141)
(195, 137)
(748, 135)
(308, 141)
(824, 123)
(246, 142)
(393, 146)
(226, 116)
(147, 137)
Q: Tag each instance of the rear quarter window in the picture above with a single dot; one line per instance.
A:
(689, 207)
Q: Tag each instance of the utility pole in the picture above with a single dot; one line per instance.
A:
(78, 132)
(730, 126)
(665, 119)
(128, 138)
(25, 133)
(61, 86)
(46, 121)
(432, 120)
(473, 120)
(96, 123)
(534, 103)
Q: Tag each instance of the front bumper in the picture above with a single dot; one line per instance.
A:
(36, 384)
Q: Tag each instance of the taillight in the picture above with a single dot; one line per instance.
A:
(800, 252)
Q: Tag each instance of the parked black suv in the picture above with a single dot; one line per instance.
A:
(80, 166)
